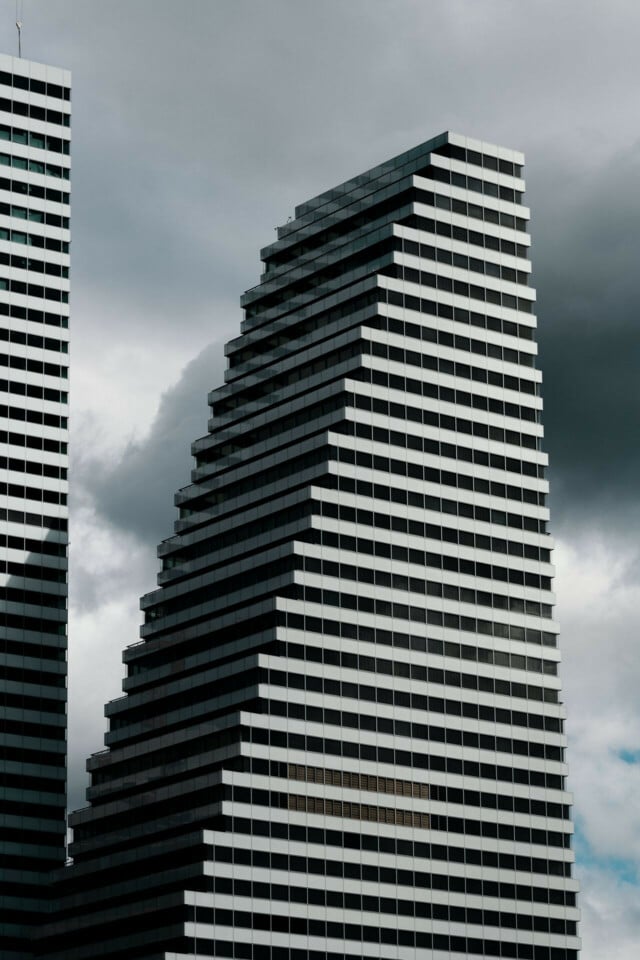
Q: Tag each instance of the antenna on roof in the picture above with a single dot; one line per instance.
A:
(19, 26)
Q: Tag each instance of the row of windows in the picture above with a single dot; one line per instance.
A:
(35, 86)
(414, 303)
(446, 339)
(344, 840)
(33, 416)
(228, 444)
(269, 386)
(36, 216)
(34, 166)
(289, 291)
(424, 791)
(31, 467)
(485, 240)
(415, 585)
(473, 625)
(457, 314)
(40, 784)
(331, 360)
(34, 290)
(356, 781)
(461, 234)
(394, 205)
(433, 475)
(32, 139)
(412, 441)
(36, 838)
(424, 278)
(459, 287)
(416, 879)
(463, 261)
(203, 691)
(25, 807)
(234, 536)
(14, 595)
(41, 758)
(437, 561)
(34, 190)
(42, 728)
(479, 159)
(186, 552)
(323, 654)
(434, 531)
(36, 266)
(337, 899)
(17, 362)
(33, 571)
(351, 307)
(223, 588)
(161, 813)
(40, 651)
(351, 811)
(439, 448)
(19, 108)
(247, 633)
(457, 424)
(205, 747)
(34, 493)
(465, 595)
(363, 488)
(485, 948)
(453, 678)
(399, 728)
(450, 395)
(36, 677)
(466, 209)
(450, 367)
(471, 183)
(35, 240)
(390, 551)
(33, 443)
(287, 469)
(33, 519)
(33, 340)
(314, 412)
(33, 546)
(401, 611)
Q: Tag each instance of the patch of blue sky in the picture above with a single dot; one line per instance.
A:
(625, 870)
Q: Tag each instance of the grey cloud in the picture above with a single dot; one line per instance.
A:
(197, 128)
(136, 495)
(585, 265)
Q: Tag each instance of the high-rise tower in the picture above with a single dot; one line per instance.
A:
(34, 320)
(341, 735)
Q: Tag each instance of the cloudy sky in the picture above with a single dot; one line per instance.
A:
(198, 125)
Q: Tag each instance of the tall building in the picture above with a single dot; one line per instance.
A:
(34, 321)
(341, 735)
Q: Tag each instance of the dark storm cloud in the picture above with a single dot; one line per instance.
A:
(137, 494)
(585, 258)
(210, 121)
(198, 125)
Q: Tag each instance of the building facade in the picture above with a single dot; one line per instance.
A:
(34, 330)
(341, 735)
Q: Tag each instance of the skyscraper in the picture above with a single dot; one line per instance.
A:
(341, 735)
(34, 320)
